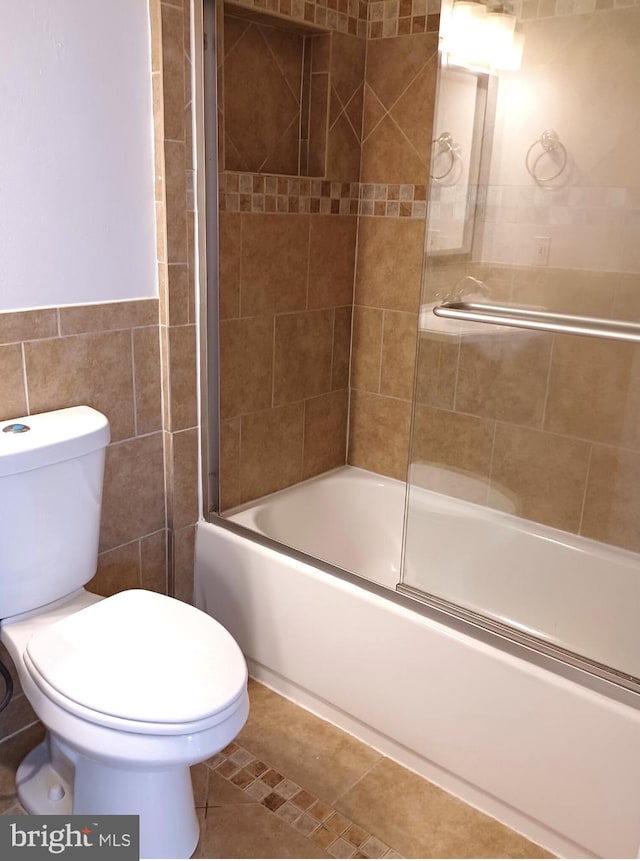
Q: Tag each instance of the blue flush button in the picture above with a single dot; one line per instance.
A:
(16, 427)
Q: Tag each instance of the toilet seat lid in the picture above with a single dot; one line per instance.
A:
(141, 656)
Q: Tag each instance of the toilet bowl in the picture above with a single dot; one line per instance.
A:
(132, 689)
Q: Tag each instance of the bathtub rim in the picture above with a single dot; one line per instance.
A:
(598, 678)
(334, 471)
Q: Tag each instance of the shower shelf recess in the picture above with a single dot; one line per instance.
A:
(275, 93)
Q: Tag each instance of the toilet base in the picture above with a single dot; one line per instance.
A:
(41, 789)
(55, 779)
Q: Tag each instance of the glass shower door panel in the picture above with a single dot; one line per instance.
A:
(523, 508)
(522, 500)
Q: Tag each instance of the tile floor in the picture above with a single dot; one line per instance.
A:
(294, 786)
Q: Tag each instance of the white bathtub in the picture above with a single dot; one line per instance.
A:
(323, 516)
(552, 754)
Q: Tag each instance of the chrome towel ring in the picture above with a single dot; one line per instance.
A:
(550, 143)
(446, 146)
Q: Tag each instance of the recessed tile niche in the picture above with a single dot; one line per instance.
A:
(276, 94)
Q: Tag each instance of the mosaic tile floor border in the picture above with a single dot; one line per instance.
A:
(302, 810)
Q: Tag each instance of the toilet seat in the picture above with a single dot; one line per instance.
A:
(141, 662)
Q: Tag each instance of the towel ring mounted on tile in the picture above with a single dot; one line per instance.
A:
(446, 146)
(550, 143)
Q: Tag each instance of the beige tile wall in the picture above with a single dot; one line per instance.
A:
(397, 120)
(106, 356)
(286, 260)
(171, 74)
(284, 346)
(378, 135)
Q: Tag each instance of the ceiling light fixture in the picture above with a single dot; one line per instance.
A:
(481, 39)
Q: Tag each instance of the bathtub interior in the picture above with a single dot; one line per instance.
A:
(353, 518)
(347, 517)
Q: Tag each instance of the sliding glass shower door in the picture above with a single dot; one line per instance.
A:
(524, 481)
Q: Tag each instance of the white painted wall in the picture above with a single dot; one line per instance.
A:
(77, 220)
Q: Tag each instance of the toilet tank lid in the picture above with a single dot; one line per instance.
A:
(31, 442)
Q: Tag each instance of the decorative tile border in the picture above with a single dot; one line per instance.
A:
(588, 228)
(529, 10)
(575, 205)
(345, 16)
(393, 201)
(300, 809)
(389, 18)
(380, 19)
(250, 192)
(247, 192)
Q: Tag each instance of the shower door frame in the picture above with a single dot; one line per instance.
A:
(454, 308)
(205, 101)
(624, 681)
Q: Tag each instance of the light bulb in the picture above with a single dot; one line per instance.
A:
(481, 40)
(464, 28)
(513, 58)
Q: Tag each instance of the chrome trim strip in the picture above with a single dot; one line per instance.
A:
(573, 659)
(540, 321)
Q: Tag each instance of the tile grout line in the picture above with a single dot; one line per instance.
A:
(302, 810)
(25, 378)
(361, 777)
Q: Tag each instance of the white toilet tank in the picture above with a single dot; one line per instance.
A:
(51, 469)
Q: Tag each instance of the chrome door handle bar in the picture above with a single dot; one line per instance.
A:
(540, 321)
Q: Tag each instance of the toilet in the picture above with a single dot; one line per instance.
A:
(132, 689)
